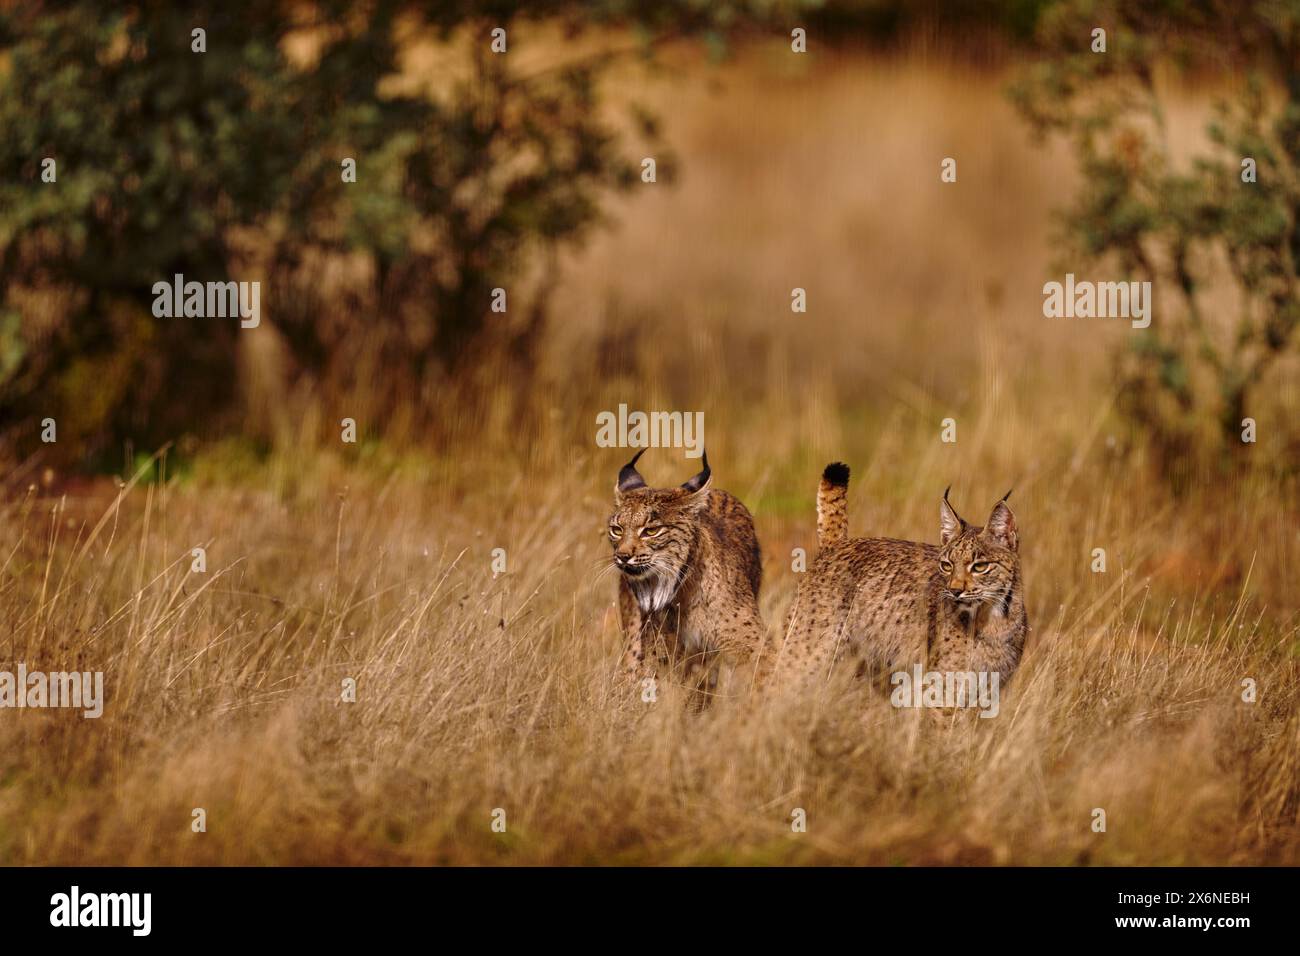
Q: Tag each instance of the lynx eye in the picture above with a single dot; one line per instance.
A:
(652, 532)
(980, 567)
(615, 531)
(945, 567)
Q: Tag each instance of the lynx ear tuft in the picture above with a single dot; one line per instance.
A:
(951, 524)
(629, 478)
(699, 481)
(1002, 525)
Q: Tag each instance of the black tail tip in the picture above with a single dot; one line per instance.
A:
(837, 473)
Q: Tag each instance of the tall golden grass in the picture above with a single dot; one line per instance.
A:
(476, 692)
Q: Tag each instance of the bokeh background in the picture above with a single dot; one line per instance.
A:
(329, 560)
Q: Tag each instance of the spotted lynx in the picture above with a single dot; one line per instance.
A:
(888, 605)
(689, 572)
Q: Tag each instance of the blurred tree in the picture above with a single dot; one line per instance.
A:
(225, 164)
(1188, 380)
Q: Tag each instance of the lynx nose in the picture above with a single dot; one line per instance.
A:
(956, 592)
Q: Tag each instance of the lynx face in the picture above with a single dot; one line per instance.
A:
(979, 565)
(651, 532)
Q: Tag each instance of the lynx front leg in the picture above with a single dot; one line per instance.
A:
(652, 643)
(634, 665)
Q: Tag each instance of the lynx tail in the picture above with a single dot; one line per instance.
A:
(832, 505)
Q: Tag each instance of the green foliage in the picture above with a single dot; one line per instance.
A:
(1188, 380)
(225, 165)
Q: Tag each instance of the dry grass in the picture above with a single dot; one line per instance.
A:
(475, 692)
